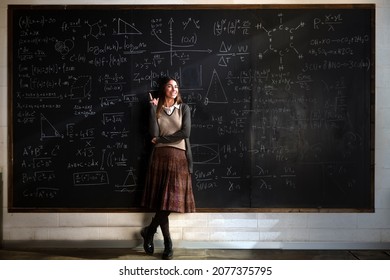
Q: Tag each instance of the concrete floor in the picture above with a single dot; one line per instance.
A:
(188, 254)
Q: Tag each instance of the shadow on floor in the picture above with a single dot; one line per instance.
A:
(188, 254)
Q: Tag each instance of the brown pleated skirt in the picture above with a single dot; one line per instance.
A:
(168, 184)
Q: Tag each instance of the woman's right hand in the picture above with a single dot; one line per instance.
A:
(153, 101)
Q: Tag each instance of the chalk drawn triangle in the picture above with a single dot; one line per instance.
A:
(223, 48)
(125, 28)
(215, 92)
(129, 180)
(222, 62)
(47, 129)
(129, 185)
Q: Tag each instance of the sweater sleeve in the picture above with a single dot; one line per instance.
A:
(154, 129)
(185, 130)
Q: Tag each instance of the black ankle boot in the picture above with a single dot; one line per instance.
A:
(168, 251)
(147, 234)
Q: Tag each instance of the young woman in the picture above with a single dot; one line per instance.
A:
(168, 184)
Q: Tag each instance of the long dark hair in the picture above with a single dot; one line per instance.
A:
(161, 94)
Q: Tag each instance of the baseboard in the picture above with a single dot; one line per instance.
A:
(198, 245)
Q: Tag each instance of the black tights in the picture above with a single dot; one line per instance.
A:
(161, 219)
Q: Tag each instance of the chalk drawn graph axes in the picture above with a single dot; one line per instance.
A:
(172, 46)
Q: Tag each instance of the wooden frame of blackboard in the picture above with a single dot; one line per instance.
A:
(12, 8)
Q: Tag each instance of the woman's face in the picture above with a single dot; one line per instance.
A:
(171, 89)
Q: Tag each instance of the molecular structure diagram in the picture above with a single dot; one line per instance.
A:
(280, 40)
(96, 29)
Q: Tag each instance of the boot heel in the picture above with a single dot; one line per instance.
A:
(168, 251)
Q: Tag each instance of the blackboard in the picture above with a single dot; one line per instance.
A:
(281, 97)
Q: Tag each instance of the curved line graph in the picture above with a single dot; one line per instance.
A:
(172, 46)
(205, 153)
(169, 44)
